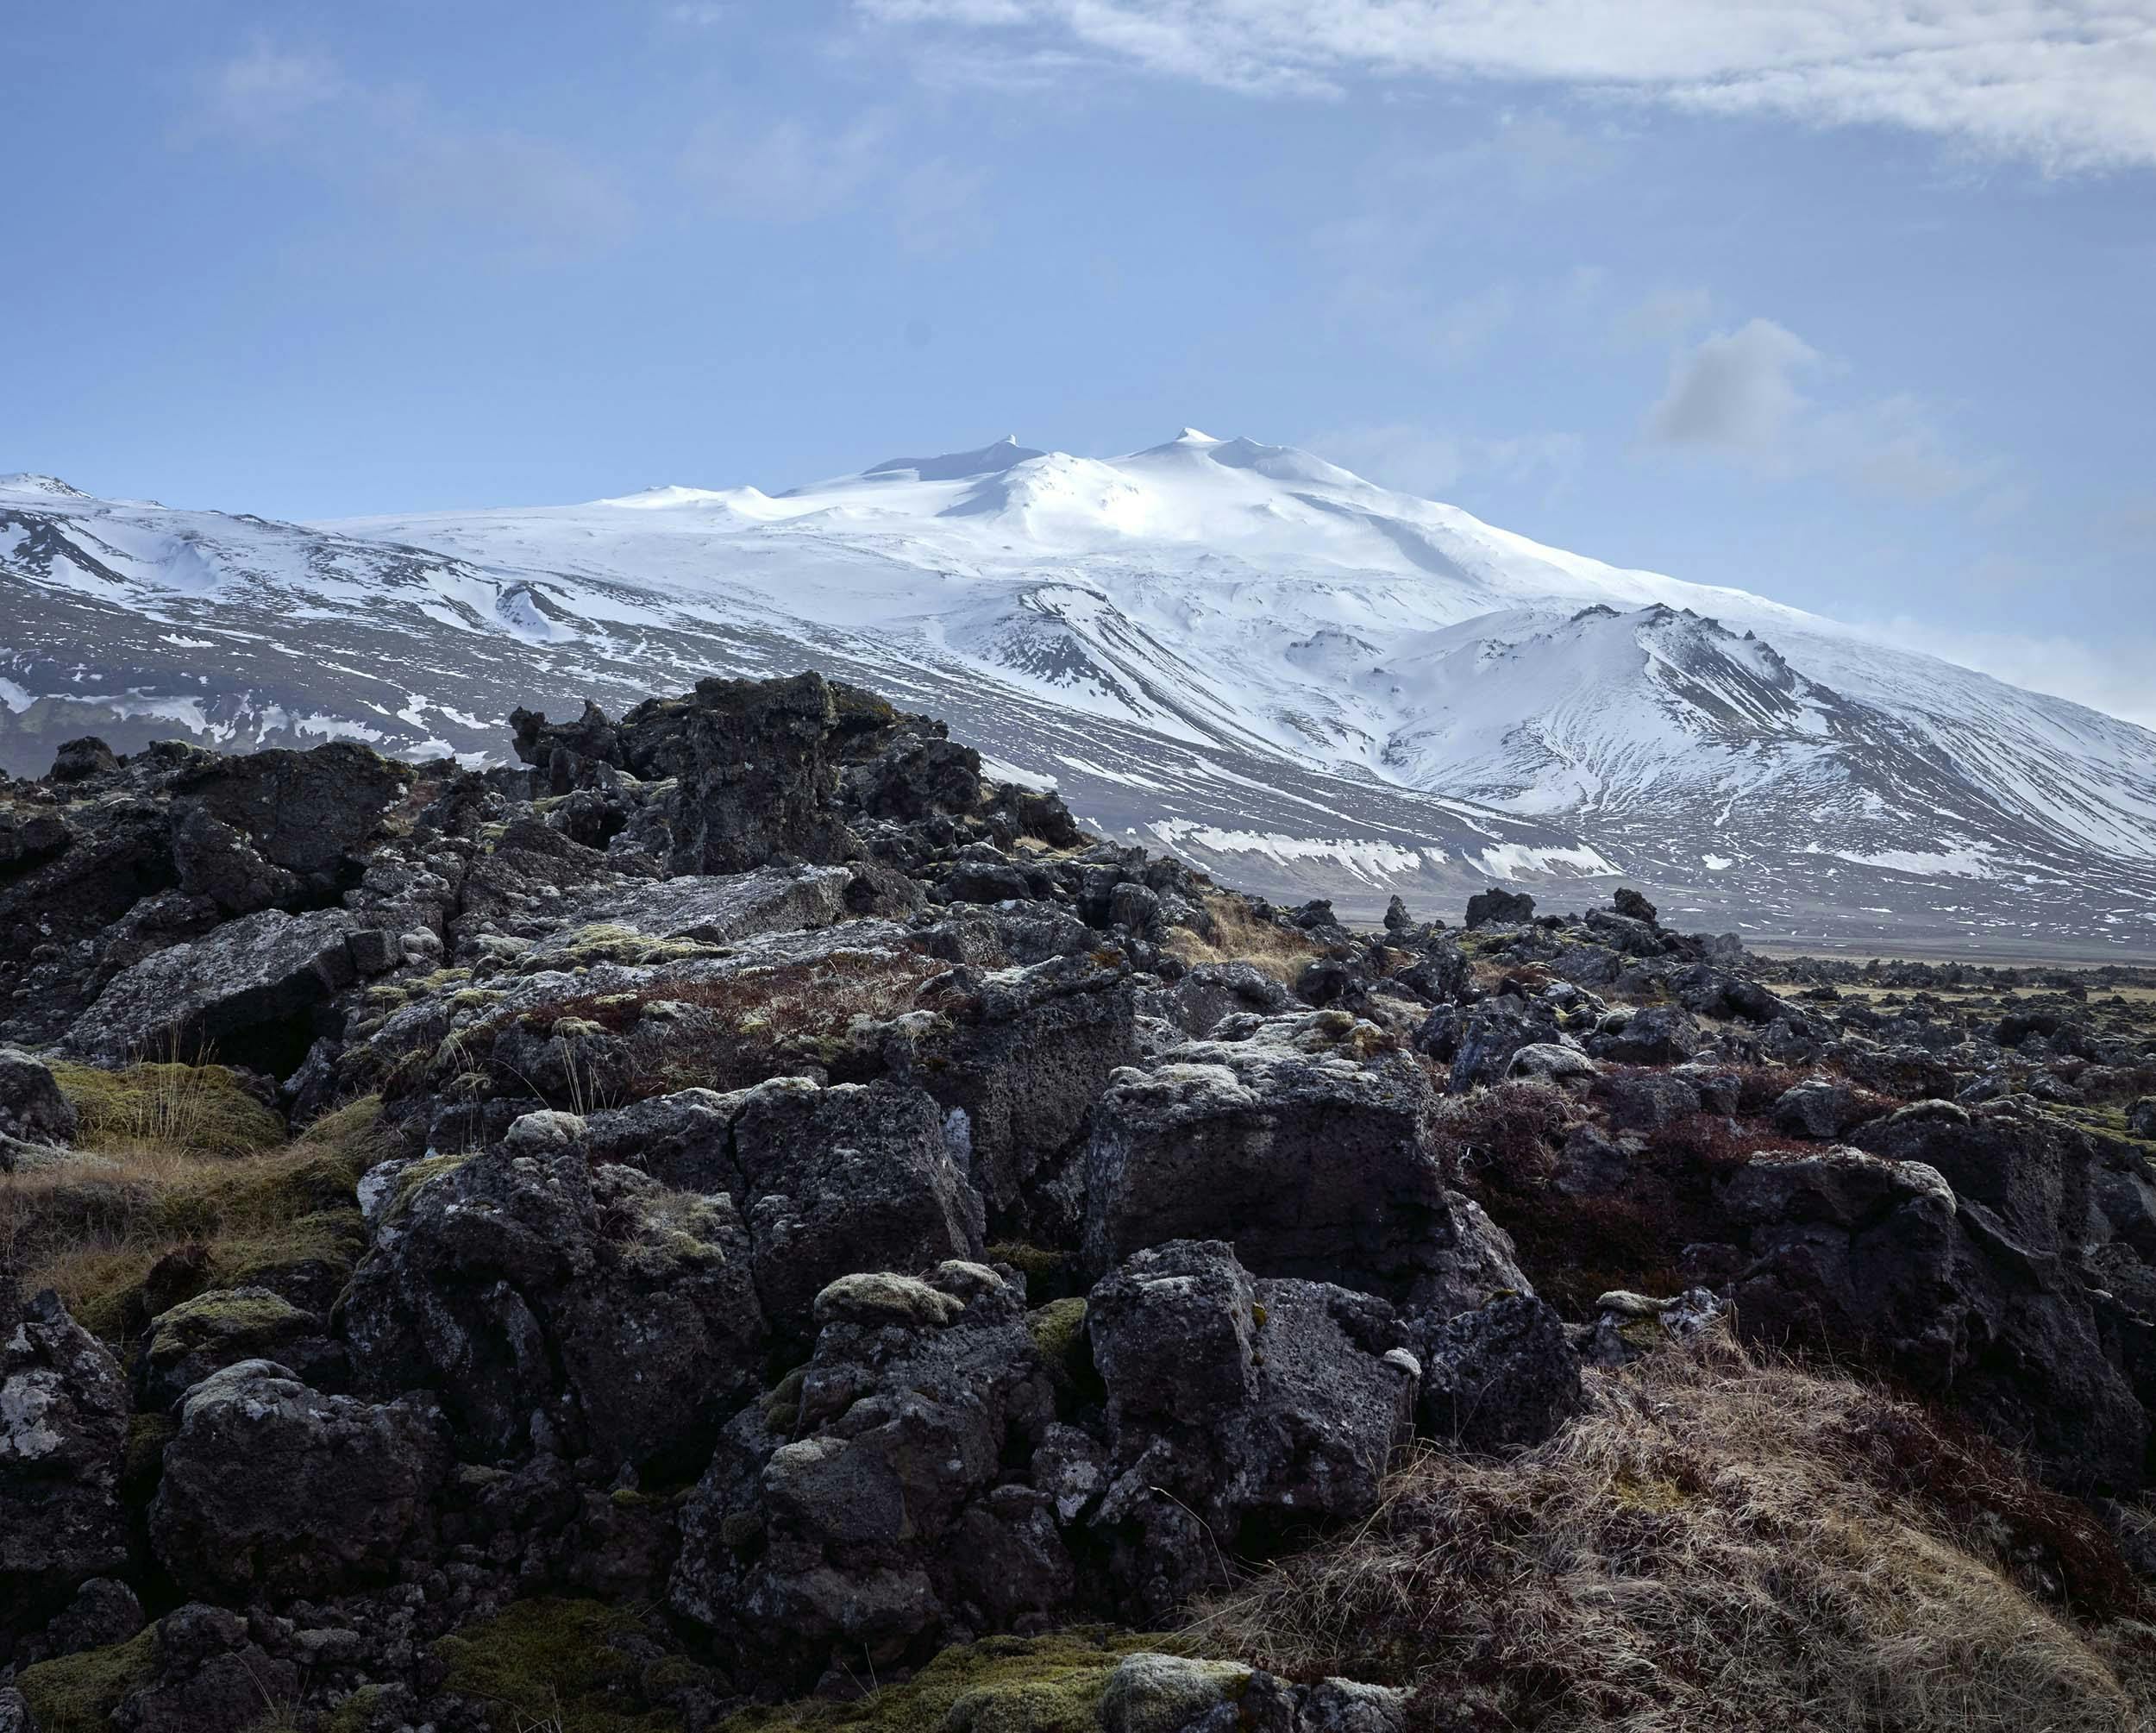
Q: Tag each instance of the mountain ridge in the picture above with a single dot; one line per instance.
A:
(1306, 682)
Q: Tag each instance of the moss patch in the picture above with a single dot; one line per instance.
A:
(247, 1320)
(356, 1713)
(77, 1693)
(999, 1685)
(1049, 1275)
(414, 1178)
(549, 1660)
(1058, 1330)
(608, 941)
(200, 1109)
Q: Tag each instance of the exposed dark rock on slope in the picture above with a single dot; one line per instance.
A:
(768, 1179)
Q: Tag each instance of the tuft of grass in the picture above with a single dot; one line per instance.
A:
(998, 1685)
(198, 1109)
(1717, 1542)
(97, 1229)
(1238, 936)
(77, 1693)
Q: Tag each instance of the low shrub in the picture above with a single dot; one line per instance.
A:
(1719, 1541)
(1576, 1247)
(1240, 935)
(723, 1033)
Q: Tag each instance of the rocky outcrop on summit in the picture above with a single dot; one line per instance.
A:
(109, 862)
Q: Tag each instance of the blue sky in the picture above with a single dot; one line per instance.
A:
(1842, 302)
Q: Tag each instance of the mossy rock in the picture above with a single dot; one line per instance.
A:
(202, 1109)
(243, 1323)
(608, 941)
(420, 1174)
(77, 1693)
(1058, 1330)
(552, 1661)
(999, 1685)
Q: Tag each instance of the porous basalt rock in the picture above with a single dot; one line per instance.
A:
(271, 1486)
(63, 1431)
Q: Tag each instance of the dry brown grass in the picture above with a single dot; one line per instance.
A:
(1240, 937)
(200, 1109)
(1719, 1542)
(98, 1229)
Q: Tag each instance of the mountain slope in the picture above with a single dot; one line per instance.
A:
(1311, 684)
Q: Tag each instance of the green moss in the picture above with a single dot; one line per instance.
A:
(608, 941)
(999, 1685)
(546, 1658)
(77, 1693)
(1048, 1273)
(783, 1406)
(417, 1175)
(353, 1132)
(202, 1109)
(243, 1319)
(356, 1713)
(1058, 1330)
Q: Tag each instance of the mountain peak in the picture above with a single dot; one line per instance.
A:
(28, 482)
(956, 466)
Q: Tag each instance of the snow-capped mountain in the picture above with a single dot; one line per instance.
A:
(1310, 684)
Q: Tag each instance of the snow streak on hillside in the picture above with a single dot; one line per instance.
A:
(1311, 684)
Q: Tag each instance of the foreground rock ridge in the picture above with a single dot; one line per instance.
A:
(747, 1208)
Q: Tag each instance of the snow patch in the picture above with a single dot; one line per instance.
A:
(1520, 860)
(1367, 857)
(1969, 863)
(997, 770)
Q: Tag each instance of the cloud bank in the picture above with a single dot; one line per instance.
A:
(2068, 84)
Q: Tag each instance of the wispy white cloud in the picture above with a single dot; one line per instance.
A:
(411, 164)
(791, 173)
(2068, 84)
(1744, 395)
(261, 91)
